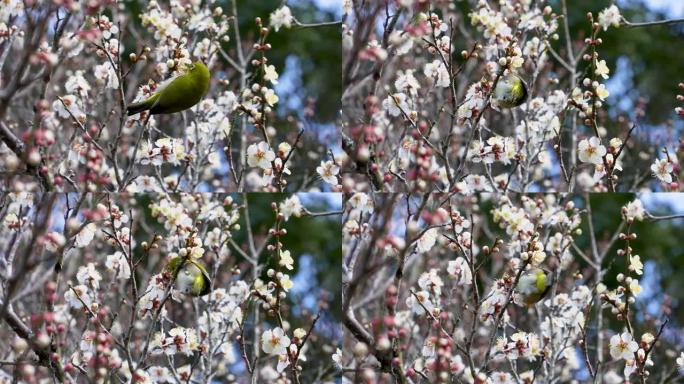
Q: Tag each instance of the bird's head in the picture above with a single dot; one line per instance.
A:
(197, 68)
(510, 91)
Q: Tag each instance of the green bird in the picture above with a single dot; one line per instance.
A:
(176, 94)
(534, 284)
(510, 92)
(192, 279)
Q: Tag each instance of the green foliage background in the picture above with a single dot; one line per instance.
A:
(320, 238)
(655, 53)
(659, 242)
(319, 49)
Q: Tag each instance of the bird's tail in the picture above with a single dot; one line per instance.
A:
(134, 108)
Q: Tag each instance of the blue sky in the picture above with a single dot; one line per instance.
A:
(674, 8)
(333, 5)
(674, 200)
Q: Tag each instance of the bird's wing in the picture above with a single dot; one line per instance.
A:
(205, 275)
(201, 268)
(542, 282)
(176, 94)
(161, 86)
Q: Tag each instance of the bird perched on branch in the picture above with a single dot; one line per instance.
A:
(176, 94)
(191, 276)
(534, 284)
(510, 92)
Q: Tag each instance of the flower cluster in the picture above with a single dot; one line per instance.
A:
(144, 287)
(487, 288)
(429, 101)
(100, 59)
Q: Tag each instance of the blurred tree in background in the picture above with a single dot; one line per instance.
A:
(318, 241)
(315, 246)
(648, 56)
(658, 243)
(309, 58)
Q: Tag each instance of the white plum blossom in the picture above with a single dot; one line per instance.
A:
(622, 346)
(105, 75)
(591, 150)
(402, 43)
(419, 302)
(501, 378)
(460, 270)
(473, 104)
(492, 304)
(634, 210)
(662, 169)
(436, 71)
(77, 84)
(10, 8)
(270, 97)
(361, 202)
(291, 206)
(270, 74)
(204, 48)
(347, 6)
(275, 341)
(602, 92)
(395, 103)
(89, 275)
(281, 17)
(179, 340)
(76, 296)
(491, 22)
(431, 282)
(118, 265)
(85, 235)
(609, 17)
(260, 155)
(429, 347)
(680, 362)
(53, 241)
(635, 264)
(283, 361)
(160, 374)
(328, 171)
(602, 69)
(337, 357)
(285, 282)
(406, 81)
(478, 183)
(153, 295)
(427, 240)
(67, 106)
(164, 150)
(286, 260)
(160, 22)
